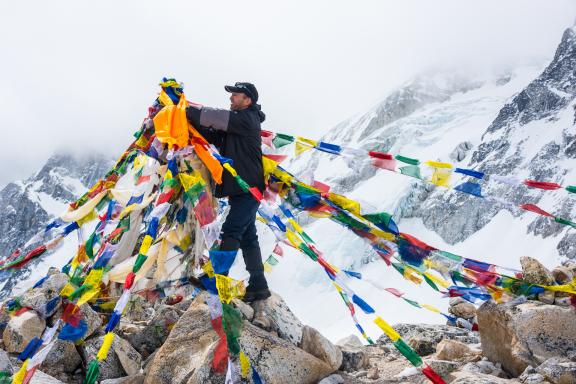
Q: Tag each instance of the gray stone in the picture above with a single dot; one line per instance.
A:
(63, 358)
(534, 272)
(317, 345)
(136, 379)
(354, 359)
(562, 275)
(351, 341)
(547, 297)
(92, 319)
(452, 350)
(332, 379)
(156, 331)
(531, 376)
(282, 320)
(525, 335)
(422, 346)
(122, 358)
(463, 310)
(5, 365)
(558, 370)
(42, 378)
(21, 329)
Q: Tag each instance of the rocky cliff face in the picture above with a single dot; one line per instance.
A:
(26, 206)
(518, 124)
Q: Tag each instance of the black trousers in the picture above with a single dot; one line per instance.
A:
(239, 232)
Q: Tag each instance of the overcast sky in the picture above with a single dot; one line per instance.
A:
(80, 75)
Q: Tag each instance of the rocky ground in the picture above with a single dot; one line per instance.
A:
(523, 341)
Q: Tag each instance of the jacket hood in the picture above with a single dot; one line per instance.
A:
(258, 108)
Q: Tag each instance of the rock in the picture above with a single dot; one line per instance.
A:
(534, 272)
(525, 335)
(443, 367)
(456, 300)
(5, 365)
(156, 331)
(332, 379)
(423, 346)
(452, 350)
(562, 274)
(187, 354)
(373, 373)
(558, 371)
(547, 297)
(135, 379)
(435, 332)
(563, 301)
(36, 298)
(464, 310)
(63, 358)
(463, 377)
(246, 310)
(42, 378)
(317, 345)
(21, 329)
(92, 318)
(354, 359)
(282, 320)
(351, 341)
(531, 376)
(122, 359)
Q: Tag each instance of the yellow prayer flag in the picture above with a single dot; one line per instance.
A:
(89, 217)
(285, 177)
(441, 177)
(244, 365)
(269, 165)
(208, 270)
(388, 330)
(267, 268)
(18, 378)
(411, 274)
(94, 277)
(430, 308)
(438, 164)
(87, 296)
(295, 225)
(145, 246)
(229, 288)
(67, 290)
(345, 203)
(438, 280)
(300, 148)
(188, 181)
(165, 99)
(140, 161)
(292, 238)
(106, 344)
(231, 170)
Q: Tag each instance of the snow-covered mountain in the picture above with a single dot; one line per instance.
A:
(26, 206)
(518, 123)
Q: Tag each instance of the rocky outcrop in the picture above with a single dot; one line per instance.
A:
(187, 354)
(21, 329)
(527, 334)
(317, 345)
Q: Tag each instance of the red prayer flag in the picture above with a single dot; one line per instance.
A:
(380, 155)
(256, 193)
(165, 197)
(278, 250)
(220, 361)
(387, 164)
(276, 158)
(542, 185)
(417, 243)
(324, 188)
(433, 376)
(395, 292)
(535, 209)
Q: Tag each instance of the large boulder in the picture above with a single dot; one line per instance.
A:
(283, 321)
(558, 371)
(62, 359)
(452, 350)
(156, 331)
(122, 358)
(21, 329)
(534, 272)
(315, 344)
(527, 334)
(92, 319)
(187, 354)
(48, 292)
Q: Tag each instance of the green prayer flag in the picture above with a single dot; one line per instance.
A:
(412, 302)
(79, 291)
(407, 160)
(232, 324)
(243, 185)
(399, 267)
(565, 222)
(430, 282)
(281, 140)
(140, 259)
(272, 260)
(92, 373)
(412, 171)
(450, 256)
(308, 251)
(379, 218)
(571, 188)
(408, 352)
(306, 237)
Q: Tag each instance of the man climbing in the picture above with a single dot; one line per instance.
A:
(236, 133)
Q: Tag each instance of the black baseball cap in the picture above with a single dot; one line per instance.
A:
(246, 88)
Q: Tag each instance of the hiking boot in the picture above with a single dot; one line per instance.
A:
(261, 319)
(251, 296)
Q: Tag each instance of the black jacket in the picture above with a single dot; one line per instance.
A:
(236, 134)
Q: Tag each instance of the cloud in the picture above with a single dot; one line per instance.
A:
(77, 75)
